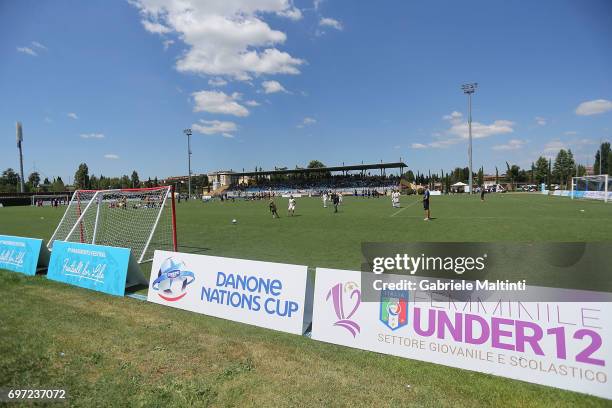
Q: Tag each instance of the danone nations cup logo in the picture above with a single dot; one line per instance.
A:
(394, 308)
(172, 280)
(346, 299)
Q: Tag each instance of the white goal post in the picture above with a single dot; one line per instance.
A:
(598, 187)
(142, 219)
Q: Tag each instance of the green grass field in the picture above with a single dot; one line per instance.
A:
(109, 351)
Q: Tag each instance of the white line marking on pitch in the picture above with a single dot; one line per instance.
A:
(403, 208)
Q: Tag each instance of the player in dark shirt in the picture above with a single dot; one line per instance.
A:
(336, 201)
(273, 209)
(482, 193)
(426, 204)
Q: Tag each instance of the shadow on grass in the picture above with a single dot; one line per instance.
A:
(193, 249)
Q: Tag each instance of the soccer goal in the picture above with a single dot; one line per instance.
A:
(47, 199)
(142, 219)
(592, 187)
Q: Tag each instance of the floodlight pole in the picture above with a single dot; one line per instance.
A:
(19, 142)
(469, 89)
(188, 133)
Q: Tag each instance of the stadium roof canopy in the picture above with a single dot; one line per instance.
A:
(358, 167)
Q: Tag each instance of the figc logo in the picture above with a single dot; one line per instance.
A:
(394, 308)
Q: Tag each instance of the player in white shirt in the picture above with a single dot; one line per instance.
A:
(291, 209)
(325, 197)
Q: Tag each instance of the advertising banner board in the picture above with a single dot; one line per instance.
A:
(265, 294)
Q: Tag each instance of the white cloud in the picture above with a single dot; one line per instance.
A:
(330, 22)
(111, 156)
(272, 87)
(217, 82)
(219, 102)
(36, 44)
(92, 136)
(541, 121)
(155, 27)
(459, 131)
(293, 13)
(513, 144)
(570, 133)
(554, 146)
(167, 44)
(214, 127)
(252, 103)
(224, 37)
(30, 50)
(307, 122)
(27, 50)
(594, 107)
(72, 115)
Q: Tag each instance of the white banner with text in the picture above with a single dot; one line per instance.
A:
(559, 344)
(265, 294)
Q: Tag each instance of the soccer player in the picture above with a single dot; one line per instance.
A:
(273, 209)
(426, 204)
(482, 193)
(291, 209)
(325, 199)
(336, 201)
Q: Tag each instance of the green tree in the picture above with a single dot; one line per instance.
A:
(512, 174)
(541, 169)
(315, 164)
(480, 177)
(604, 151)
(135, 180)
(58, 185)
(81, 177)
(125, 181)
(34, 180)
(563, 167)
(94, 182)
(496, 176)
(409, 176)
(9, 180)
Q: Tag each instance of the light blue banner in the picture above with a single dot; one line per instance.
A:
(96, 267)
(20, 254)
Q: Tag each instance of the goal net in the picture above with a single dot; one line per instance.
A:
(142, 219)
(592, 187)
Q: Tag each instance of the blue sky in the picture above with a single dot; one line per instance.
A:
(278, 83)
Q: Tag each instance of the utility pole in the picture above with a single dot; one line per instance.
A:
(19, 141)
(188, 133)
(469, 90)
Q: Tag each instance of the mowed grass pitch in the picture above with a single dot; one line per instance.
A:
(119, 351)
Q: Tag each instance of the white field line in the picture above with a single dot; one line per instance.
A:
(403, 208)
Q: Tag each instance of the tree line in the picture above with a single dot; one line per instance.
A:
(560, 171)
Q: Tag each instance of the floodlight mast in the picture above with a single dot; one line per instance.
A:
(19, 142)
(188, 133)
(469, 89)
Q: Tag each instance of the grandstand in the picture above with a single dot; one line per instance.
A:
(309, 181)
